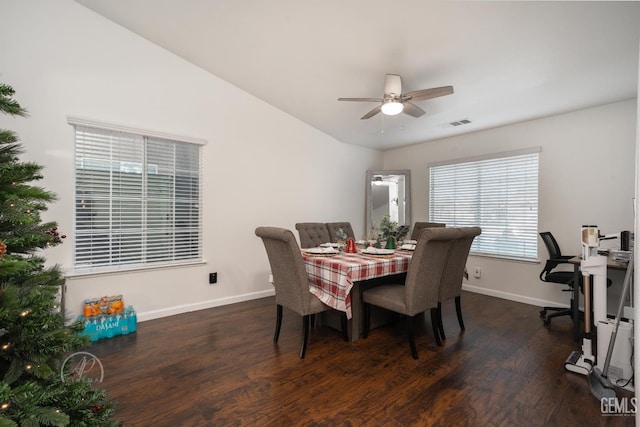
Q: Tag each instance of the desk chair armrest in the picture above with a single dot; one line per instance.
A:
(553, 263)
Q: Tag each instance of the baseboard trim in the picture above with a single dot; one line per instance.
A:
(187, 308)
(512, 297)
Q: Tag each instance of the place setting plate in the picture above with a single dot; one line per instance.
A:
(321, 251)
(375, 252)
(330, 245)
(408, 245)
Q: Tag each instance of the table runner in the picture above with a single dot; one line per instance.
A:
(331, 278)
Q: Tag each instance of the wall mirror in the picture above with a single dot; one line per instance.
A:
(388, 193)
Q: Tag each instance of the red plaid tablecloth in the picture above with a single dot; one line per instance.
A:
(331, 277)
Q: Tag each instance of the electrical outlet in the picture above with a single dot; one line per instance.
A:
(213, 278)
(477, 273)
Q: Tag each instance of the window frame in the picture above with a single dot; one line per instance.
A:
(149, 138)
(529, 250)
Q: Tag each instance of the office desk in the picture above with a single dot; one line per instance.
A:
(576, 289)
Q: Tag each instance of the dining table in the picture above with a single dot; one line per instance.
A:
(338, 279)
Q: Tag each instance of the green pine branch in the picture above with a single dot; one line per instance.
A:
(19, 173)
(34, 339)
(9, 148)
(7, 422)
(9, 105)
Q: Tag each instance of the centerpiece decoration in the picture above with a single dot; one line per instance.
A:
(391, 232)
(341, 236)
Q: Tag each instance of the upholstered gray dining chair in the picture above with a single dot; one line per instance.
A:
(418, 226)
(420, 290)
(333, 228)
(291, 281)
(454, 271)
(312, 234)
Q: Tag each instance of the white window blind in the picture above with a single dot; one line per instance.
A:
(137, 200)
(498, 194)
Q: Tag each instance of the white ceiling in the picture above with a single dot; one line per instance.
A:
(507, 61)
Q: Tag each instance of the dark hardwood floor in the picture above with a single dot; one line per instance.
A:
(219, 367)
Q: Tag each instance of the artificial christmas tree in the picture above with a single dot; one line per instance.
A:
(35, 387)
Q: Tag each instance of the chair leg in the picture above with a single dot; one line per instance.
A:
(305, 335)
(546, 320)
(412, 338)
(343, 326)
(434, 325)
(459, 313)
(278, 322)
(440, 325)
(367, 320)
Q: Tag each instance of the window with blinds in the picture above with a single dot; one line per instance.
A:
(137, 200)
(498, 194)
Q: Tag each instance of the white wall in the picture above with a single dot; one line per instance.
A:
(261, 166)
(586, 176)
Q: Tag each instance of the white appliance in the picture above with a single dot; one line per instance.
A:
(620, 370)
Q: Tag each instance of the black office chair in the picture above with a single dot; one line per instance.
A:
(561, 277)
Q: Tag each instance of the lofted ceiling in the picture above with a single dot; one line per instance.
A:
(507, 61)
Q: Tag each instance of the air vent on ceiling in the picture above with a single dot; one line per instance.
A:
(460, 122)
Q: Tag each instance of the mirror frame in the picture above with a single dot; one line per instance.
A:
(368, 200)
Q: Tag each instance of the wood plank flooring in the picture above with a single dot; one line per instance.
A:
(220, 367)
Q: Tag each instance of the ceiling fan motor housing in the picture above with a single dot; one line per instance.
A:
(395, 102)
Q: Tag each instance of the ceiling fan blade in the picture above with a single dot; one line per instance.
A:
(420, 95)
(361, 99)
(412, 109)
(392, 85)
(372, 113)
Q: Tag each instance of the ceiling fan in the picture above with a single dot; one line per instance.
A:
(395, 102)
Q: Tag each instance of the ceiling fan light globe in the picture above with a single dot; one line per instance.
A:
(392, 108)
